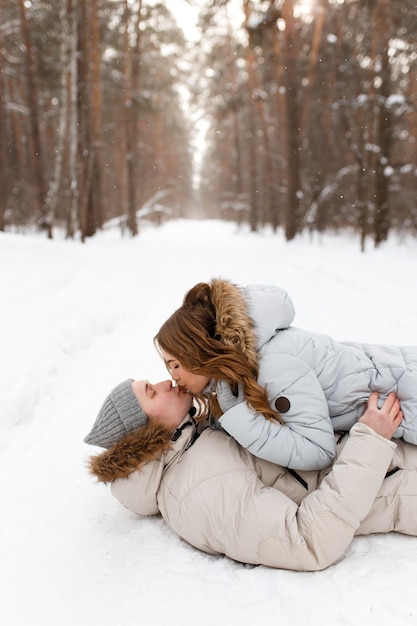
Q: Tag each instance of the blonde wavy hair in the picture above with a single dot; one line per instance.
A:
(190, 336)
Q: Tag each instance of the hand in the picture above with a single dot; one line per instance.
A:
(385, 420)
(225, 396)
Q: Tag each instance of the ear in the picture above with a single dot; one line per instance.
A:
(127, 455)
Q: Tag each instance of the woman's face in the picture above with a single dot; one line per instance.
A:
(189, 382)
(162, 402)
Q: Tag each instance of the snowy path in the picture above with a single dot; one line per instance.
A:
(78, 319)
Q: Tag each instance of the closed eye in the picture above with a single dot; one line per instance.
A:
(149, 390)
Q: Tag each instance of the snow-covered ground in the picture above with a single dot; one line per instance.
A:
(78, 319)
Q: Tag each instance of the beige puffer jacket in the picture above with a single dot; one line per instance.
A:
(222, 500)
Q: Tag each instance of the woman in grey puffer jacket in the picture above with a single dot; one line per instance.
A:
(314, 384)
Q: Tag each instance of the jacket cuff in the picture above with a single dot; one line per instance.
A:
(361, 428)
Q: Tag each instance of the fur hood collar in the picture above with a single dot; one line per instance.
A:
(148, 443)
(248, 317)
(233, 323)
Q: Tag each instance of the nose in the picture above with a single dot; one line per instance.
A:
(162, 386)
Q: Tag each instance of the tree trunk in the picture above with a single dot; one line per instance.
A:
(83, 129)
(251, 129)
(95, 217)
(34, 122)
(4, 165)
(382, 34)
(73, 213)
(133, 163)
(52, 195)
(293, 130)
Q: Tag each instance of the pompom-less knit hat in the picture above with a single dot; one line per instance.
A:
(120, 414)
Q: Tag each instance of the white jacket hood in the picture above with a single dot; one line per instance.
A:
(271, 309)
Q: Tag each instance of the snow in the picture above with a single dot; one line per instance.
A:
(78, 319)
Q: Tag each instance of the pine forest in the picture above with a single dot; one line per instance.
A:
(299, 115)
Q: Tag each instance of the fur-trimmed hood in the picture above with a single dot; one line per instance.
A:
(148, 443)
(249, 316)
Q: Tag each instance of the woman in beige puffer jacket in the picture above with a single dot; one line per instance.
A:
(223, 500)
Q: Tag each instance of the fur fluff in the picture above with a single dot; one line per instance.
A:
(233, 323)
(145, 444)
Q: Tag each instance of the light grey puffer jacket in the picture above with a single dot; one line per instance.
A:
(222, 500)
(318, 385)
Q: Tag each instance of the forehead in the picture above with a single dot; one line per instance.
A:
(168, 357)
(139, 388)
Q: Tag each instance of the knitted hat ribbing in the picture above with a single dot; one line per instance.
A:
(120, 414)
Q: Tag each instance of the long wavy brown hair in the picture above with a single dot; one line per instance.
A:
(190, 336)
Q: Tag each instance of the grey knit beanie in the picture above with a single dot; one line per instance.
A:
(120, 414)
